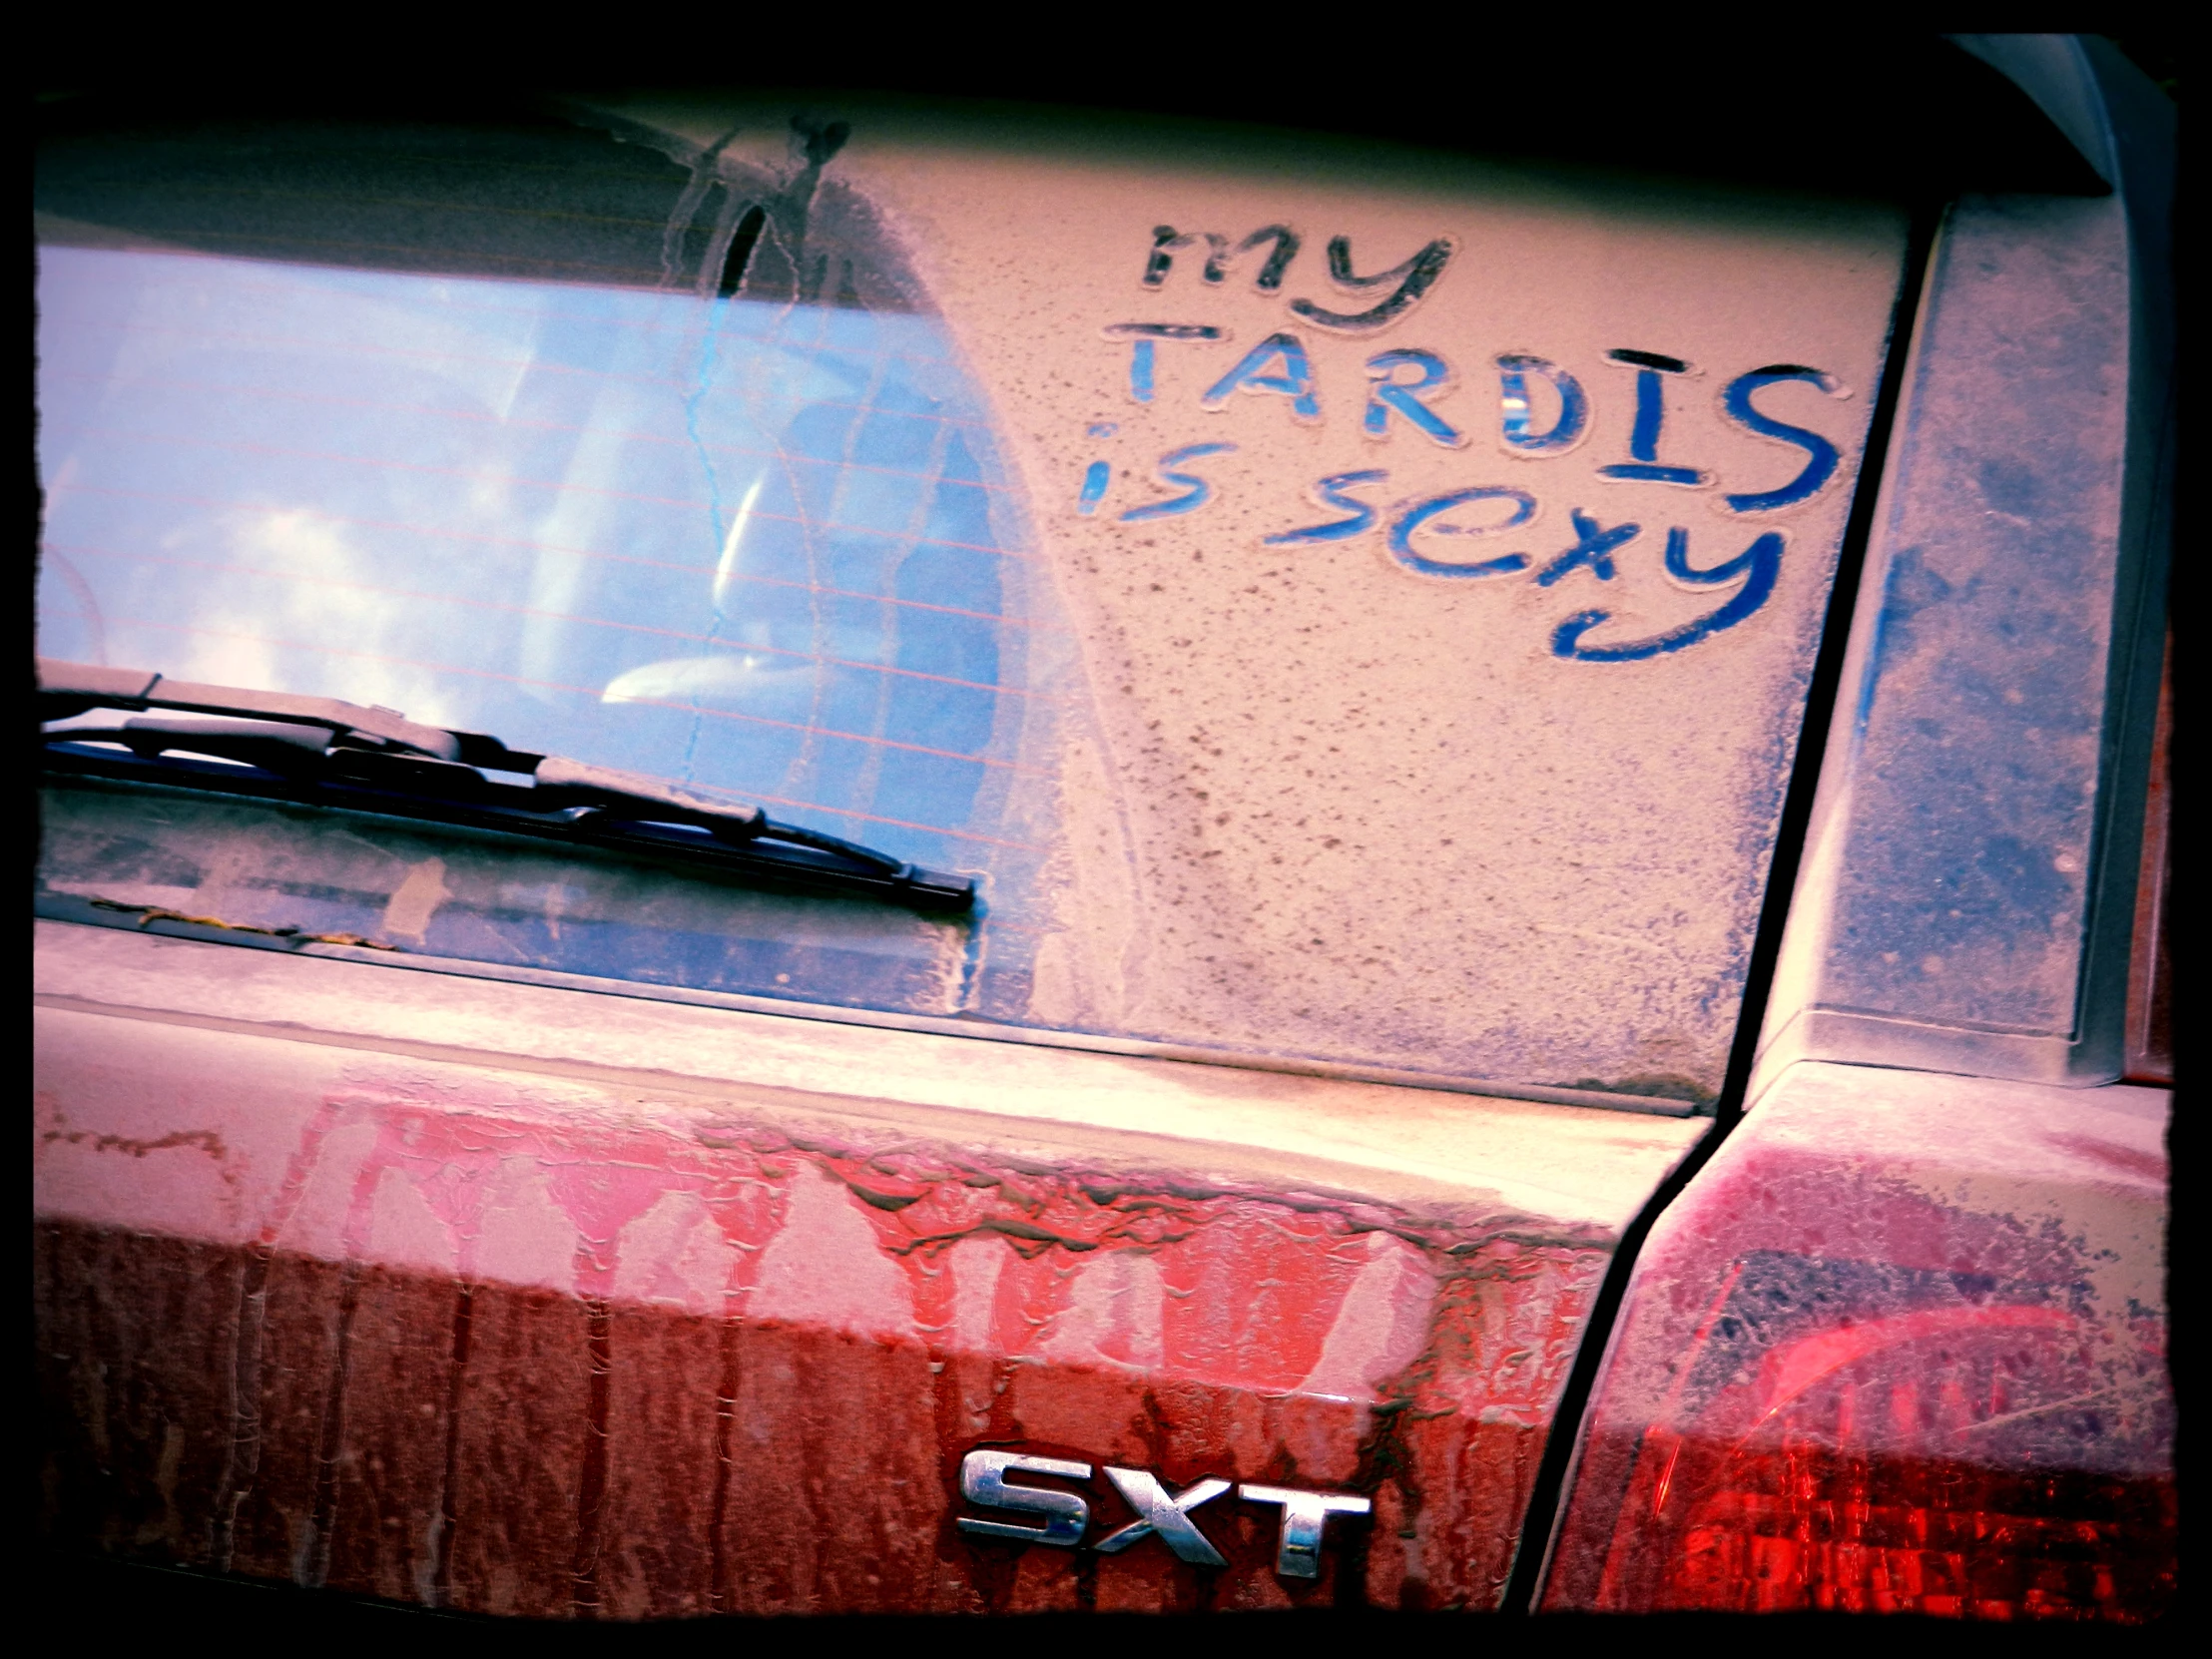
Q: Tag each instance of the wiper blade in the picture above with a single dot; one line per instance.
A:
(321, 751)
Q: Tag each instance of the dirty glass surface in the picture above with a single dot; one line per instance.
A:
(1343, 607)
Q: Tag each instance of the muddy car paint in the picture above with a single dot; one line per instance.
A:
(536, 1302)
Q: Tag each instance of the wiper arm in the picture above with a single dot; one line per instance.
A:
(272, 744)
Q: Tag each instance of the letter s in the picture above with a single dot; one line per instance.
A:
(1195, 490)
(983, 1481)
(1821, 457)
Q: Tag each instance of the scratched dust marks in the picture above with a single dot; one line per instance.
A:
(1448, 547)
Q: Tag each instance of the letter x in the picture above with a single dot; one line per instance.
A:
(1169, 1515)
(1593, 547)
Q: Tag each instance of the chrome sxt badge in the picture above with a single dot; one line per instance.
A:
(1062, 1516)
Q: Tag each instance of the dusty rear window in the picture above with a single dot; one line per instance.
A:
(1346, 606)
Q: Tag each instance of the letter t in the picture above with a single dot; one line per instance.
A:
(1298, 1554)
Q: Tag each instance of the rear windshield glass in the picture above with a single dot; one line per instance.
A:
(1343, 605)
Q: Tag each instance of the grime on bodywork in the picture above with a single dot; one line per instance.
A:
(490, 1340)
(1926, 1373)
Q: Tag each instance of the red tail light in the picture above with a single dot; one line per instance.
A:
(1805, 1528)
(1792, 1421)
(1893, 1466)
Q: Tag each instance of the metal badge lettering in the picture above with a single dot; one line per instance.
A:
(1305, 1514)
(983, 1481)
(1159, 1511)
(1169, 1515)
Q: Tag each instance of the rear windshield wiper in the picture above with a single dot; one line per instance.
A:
(327, 752)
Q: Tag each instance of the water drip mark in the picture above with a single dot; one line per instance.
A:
(242, 1459)
(741, 250)
(591, 1486)
(441, 1562)
(703, 170)
(312, 1565)
(725, 1413)
(972, 964)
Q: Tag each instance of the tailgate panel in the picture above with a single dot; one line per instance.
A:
(512, 1341)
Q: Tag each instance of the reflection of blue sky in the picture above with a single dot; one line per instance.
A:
(762, 548)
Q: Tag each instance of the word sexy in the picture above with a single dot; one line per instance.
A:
(1161, 1514)
(1402, 387)
(1759, 565)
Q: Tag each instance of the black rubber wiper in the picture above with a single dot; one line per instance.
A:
(322, 752)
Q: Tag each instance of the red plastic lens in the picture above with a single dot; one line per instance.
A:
(1975, 1458)
(1801, 1526)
